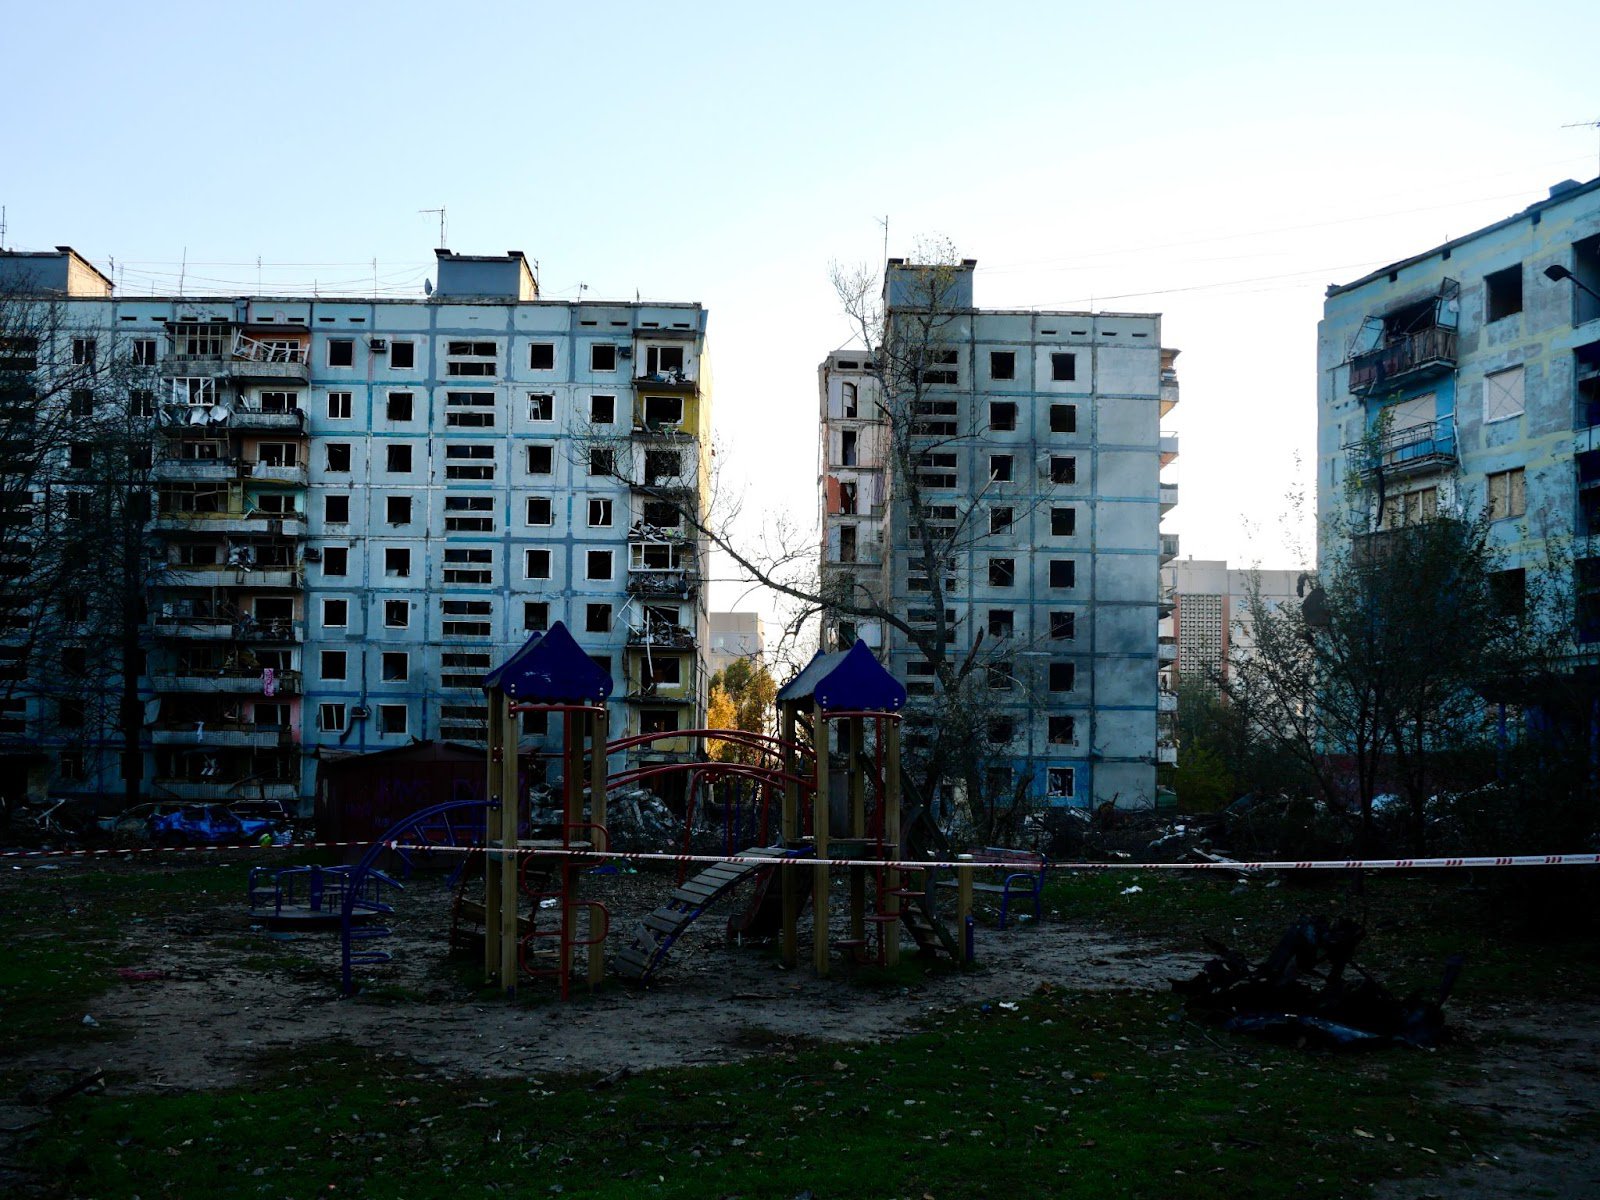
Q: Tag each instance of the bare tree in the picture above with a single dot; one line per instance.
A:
(912, 349)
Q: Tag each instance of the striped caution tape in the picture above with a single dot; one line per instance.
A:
(115, 851)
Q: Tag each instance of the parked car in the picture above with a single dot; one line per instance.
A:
(178, 824)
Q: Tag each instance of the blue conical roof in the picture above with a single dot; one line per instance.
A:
(551, 668)
(850, 680)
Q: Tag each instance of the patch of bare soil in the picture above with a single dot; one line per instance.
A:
(228, 991)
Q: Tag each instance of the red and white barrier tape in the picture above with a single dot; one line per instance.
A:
(1351, 864)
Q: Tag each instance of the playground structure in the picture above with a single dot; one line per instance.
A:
(833, 773)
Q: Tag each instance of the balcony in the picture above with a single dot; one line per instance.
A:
(1407, 359)
(194, 470)
(665, 381)
(221, 629)
(223, 735)
(1168, 495)
(230, 681)
(1415, 450)
(1169, 391)
(1169, 547)
(262, 420)
(259, 472)
(1166, 702)
(1166, 649)
(658, 635)
(679, 584)
(264, 524)
(1167, 753)
(1168, 445)
(277, 360)
(259, 578)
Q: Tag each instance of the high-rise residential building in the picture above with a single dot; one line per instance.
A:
(1208, 623)
(1466, 379)
(361, 505)
(735, 636)
(1037, 451)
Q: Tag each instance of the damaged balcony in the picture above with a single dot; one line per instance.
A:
(661, 635)
(229, 734)
(230, 680)
(1168, 547)
(270, 359)
(223, 629)
(1407, 345)
(1414, 450)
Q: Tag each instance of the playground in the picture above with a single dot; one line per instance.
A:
(831, 1002)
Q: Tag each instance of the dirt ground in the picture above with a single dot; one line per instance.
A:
(226, 991)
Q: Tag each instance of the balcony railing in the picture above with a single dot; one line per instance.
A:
(659, 635)
(230, 680)
(1414, 449)
(1413, 356)
(227, 629)
(678, 583)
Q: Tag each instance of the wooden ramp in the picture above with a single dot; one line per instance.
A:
(656, 934)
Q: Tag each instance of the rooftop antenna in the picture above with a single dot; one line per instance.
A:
(1595, 125)
(2, 226)
(183, 270)
(885, 224)
(443, 244)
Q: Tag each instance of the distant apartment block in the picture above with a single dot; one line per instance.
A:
(1209, 619)
(1046, 427)
(735, 636)
(361, 505)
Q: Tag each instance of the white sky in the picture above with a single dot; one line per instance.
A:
(1219, 163)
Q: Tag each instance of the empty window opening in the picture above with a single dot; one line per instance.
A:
(541, 460)
(396, 666)
(1063, 418)
(341, 352)
(398, 458)
(542, 356)
(541, 407)
(1063, 573)
(399, 406)
(463, 359)
(1063, 522)
(1063, 367)
(1002, 572)
(602, 358)
(540, 511)
(469, 462)
(1002, 364)
(1502, 293)
(469, 410)
(469, 514)
(402, 356)
(469, 565)
(1002, 415)
(1063, 731)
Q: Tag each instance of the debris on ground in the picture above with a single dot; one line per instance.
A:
(1309, 991)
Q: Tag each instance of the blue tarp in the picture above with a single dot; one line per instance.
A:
(850, 680)
(551, 668)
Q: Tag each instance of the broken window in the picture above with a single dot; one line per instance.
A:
(1002, 415)
(144, 352)
(600, 514)
(396, 614)
(1063, 418)
(1059, 782)
(536, 564)
(849, 400)
(847, 447)
(602, 460)
(463, 359)
(1502, 293)
(469, 410)
(400, 406)
(1507, 494)
(541, 460)
(1586, 274)
(602, 410)
(944, 367)
(597, 618)
(535, 615)
(399, 458)
(1063, 522)
(847, 543)
(540, 511)
(1000, 677)
(335, 560)
(392, 719)
(1063, 731)
(338, 460)
(660, 668)
(333, 664)
(1509, 590)
(1063, 469)
(660, 465)
(602, 357)
(1002, 572)
(81, 402)
(83, 352)
(402, 356)
(280, 402)
(542, 356)
(663, 361)
(1410, 508)
(935, 418)
(1063, 626)
(1062, 676)
(1002, 364)
(1063, 367)
(468, 565)
(663, 410)
(341, 352)
(336, 510)
(456, 613)
(1001, 730)
(849, 493)
(469, 462)
(1000, 468)
(1000, 519)
(335, 613)
(397, 562)
(597, 564)
(1063, 573)
(541, 406)
(469, 514)
(1002, 622)
(662, 515)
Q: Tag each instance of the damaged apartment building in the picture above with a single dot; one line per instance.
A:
(1466, 379)
(1038, 452)
(360, 506)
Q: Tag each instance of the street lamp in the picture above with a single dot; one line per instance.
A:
(1557, 273)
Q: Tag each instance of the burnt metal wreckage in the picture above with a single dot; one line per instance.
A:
(1310, 991)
